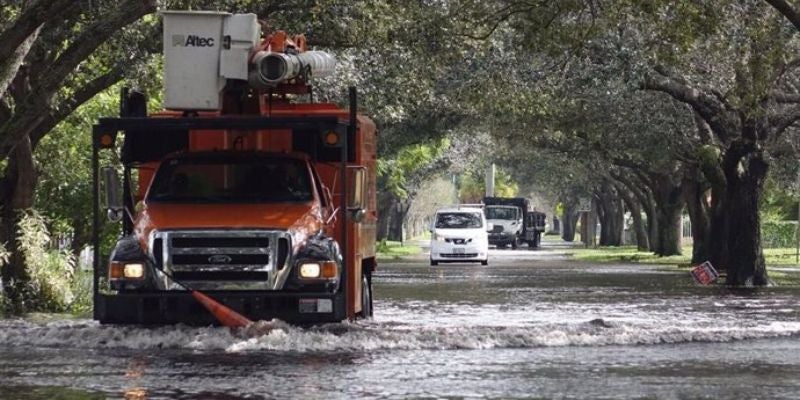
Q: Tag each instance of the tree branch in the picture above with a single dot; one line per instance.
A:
(5, 111)
(782, 97)
(30, 110)
(787, 10)
(11, 66)
(708, 107)
(783, 121)
(90, 39)
(81, 96)
(504, 14)
(29, 22)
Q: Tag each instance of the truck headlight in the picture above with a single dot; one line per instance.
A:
(125, 270)
(133, 271)
(310, 270)
(319, 270)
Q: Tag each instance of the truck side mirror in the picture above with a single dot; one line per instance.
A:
(113, 200)
(356, 193)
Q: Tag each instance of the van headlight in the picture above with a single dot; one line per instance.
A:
(438, 238)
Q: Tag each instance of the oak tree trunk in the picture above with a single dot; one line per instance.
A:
(669, 209)
(569, 222)
(612, 215)
(719, 229)
(639, 229)
(694, 194)
(745, 185)
(16, 195)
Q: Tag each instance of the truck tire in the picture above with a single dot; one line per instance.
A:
(515, 243)
(366, 298)
(434, 263)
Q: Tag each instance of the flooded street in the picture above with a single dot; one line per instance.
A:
(530, 325)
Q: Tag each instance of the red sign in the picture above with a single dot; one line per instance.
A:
(705, 273)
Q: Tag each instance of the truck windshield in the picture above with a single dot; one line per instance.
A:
(252, 179)
(458, 220)
(501, 213)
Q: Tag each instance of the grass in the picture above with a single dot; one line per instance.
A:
(780, 256)
(627, 254)
(392, 250)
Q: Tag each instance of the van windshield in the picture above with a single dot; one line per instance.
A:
(456, 220)
(232, 179)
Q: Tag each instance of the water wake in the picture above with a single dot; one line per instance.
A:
(372, 336)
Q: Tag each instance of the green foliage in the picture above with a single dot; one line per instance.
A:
(473, 186)
(776, 234)
(51, 271)
(382, 246)
(4, 254)
(777, 203)
(398, 172)
(560, 209)
(57, 283)
(64, 192)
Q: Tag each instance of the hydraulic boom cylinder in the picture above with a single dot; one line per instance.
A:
(272, 68)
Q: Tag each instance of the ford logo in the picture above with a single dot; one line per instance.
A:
(219, 259)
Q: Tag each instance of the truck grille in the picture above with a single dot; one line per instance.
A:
(220, 259)
(459, 255)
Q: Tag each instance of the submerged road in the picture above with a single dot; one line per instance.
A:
(532, 324)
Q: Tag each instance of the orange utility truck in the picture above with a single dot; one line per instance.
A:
(244, 188)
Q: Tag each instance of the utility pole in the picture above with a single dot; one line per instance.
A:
(490, 173)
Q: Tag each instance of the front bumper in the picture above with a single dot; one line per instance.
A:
(171, 307)
(451, 252)
(501, 238)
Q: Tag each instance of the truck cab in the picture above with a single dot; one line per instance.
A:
(507, 225)
(514, 222)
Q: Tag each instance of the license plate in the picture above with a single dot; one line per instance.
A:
(458, 251)
(307, 306)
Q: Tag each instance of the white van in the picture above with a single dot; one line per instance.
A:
(459, 234)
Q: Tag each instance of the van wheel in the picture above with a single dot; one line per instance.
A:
(485, 262)
(434, 263)
(366, 298)
(515, 243)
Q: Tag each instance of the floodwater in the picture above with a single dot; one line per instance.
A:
(530, 325)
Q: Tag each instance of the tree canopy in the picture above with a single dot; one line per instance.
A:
(652, 107)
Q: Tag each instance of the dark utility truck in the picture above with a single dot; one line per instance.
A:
(514, 222)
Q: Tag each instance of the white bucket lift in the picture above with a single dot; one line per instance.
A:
(202, 49)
